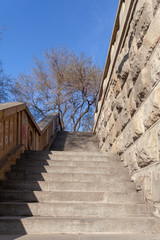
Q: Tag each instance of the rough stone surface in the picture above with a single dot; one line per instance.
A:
(137, 124)
(133, 96)
(155, 5)
(155, 65)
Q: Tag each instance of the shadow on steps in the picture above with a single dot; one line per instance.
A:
(75, 141)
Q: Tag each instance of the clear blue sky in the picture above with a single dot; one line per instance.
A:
(35, 25)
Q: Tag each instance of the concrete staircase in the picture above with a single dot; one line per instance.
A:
(77, 142)
(73, 192)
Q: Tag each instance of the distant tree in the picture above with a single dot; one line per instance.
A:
(62, 82)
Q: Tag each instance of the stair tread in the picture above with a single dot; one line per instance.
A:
(72, 191)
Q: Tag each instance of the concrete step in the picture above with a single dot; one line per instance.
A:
(79, 156)
(76, 148)
(42, 196)
(70, 153)
(69, 186)
(84, 236)
(85, 170)
(68, 163)
(75, 142)
(60, 157)
(74, 177)
(72, 209)
(30, 225)
(79, 134)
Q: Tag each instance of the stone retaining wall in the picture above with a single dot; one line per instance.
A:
(127, 117)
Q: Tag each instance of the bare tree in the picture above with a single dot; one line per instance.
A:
(62, 82)
(5, 82)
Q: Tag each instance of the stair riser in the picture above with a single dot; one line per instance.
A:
(51, 186)
(68, 163)
(68, 177)
(70, 153)
(32, 225)
(74, 210)
(107, 197)
(83, 170)
(65, 157)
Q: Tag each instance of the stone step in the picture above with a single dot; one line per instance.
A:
(42, 196)
(71, 153)
(84, 236)
(30, 225)
(87, 138)
(68, 186)
(72, 209)
(75, 140)
(68, 163)
(79, 134)
(64, 155)
(74, 177)
(78, 147)
(85, 170)
(60, 157)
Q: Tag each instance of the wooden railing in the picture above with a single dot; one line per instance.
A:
(19, 132)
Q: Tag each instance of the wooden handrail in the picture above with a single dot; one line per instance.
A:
(19, 131)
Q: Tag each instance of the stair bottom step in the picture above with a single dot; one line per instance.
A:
(34, 225)
(82, 237)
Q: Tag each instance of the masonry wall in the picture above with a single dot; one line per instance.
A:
(127, 118)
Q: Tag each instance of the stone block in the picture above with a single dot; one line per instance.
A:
(135, 67)
(115, 113)
(147, 149)
(117, 88)
(125, 117)
(152, 108)
(114, 148)
(119, 102)
(113, 135)
(111, 122)
(155, 184)
(120, 144)
(127, 135)
(122, 66)
(134, 61)
(143, 84)
(132, 102)
(118, 127)
(155, 65)
(106, 145)
(151, 38)
(129, 86)
(106, 131)
(155, 5)
(137, 124)
(138, 58)
(138, 13)
(131, 160)
(124, 71)
(144, 22)
(122, 100)
(143, 180)
(155, 97)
